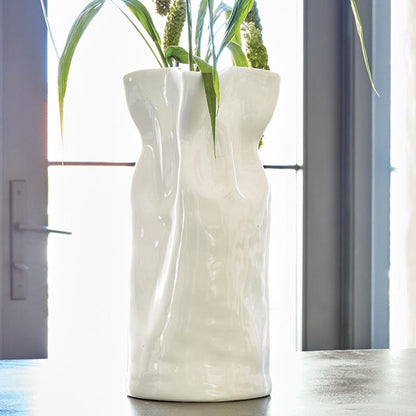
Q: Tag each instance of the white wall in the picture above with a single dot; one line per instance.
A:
(403, 135)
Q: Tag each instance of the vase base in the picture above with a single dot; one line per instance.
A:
(202, 400)
(177, 387)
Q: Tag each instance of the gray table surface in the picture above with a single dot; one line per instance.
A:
(361, 382)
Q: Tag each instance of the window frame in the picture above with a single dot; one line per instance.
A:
(347, 177)
(381, 174)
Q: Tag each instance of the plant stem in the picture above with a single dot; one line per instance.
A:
(199, 26)
(212, 36)
(215, 81)
(141, 34)
(165, 61)
(189, 20)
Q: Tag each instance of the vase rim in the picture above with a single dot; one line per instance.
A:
(195, 73)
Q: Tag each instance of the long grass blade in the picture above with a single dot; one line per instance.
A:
(48, 26)
(140, 11)
(142, 14)
(138, 30)
(75, 34)
(239, 57)
(221, 8)
(238, 14)
(360, 33)
(202, 11)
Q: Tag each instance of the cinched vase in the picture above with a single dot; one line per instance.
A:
(199, 290)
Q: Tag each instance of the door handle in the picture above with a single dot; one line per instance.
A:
(20, 266)
(19, 262)
(19, 226)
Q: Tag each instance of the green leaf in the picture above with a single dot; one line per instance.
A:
(209, 75)
(237, 38)
(200, 24)
(75, 34)
(239, 57)
(178, 53)
(238, 14)
(216, 82)
(361, 36)
(140, 11)
(139, 32)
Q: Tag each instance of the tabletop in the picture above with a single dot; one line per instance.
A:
(355, 382)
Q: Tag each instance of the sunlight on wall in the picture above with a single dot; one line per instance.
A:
(402, 307)
(88, 272)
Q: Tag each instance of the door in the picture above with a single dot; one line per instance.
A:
(23, 312)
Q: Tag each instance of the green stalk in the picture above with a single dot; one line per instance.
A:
(159, 49)
(189, 21)
(199, 25)
(214, 55)
(211, 33)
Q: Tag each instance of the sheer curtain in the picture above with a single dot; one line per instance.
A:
(403, 133)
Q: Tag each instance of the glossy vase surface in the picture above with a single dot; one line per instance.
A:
(199, 290)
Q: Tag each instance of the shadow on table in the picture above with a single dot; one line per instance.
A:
(237, 408)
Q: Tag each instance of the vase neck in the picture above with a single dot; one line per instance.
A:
(170, 110)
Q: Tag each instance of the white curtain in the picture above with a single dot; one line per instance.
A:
(403, 134)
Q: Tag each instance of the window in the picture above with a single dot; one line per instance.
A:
(328, 179)
(89, 194)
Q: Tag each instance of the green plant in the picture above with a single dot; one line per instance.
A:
(242, 16)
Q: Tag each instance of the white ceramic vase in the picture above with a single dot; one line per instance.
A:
(199, 290)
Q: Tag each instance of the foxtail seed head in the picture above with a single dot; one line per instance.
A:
(256, 51)
(162, 7)
(174, 24)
